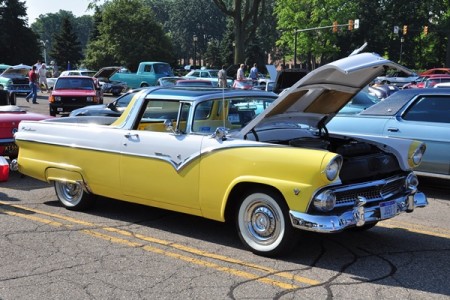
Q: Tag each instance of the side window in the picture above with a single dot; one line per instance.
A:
(429, 109)
(147, 68)
(156, 113)
(182, 123)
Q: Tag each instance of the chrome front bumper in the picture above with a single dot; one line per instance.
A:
(356, 216)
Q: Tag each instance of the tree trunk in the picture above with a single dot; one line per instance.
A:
(447, 57)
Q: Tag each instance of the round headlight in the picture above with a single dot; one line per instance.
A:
(325, 201)
(333, 168)
(58, 98)
(412, 181)
(89, 99)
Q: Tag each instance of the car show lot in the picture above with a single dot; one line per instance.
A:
(122, 250)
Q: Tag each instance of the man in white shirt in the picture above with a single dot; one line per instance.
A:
(240, 73)
(222, 76)
(43, 77)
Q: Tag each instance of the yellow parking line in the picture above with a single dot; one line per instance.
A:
(217, 257)
(200, 262)
(33, 218)
(247, 275)
(415, 228)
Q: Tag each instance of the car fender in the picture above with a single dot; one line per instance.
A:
(63, 174)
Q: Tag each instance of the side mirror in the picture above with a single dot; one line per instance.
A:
(169, 126)
(220, 133)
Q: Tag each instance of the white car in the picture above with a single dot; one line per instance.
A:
(206, 74)
(443, 85)
(51, 81)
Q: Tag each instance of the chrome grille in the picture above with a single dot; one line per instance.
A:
(347, 196)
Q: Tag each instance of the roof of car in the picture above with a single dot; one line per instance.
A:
(392, 104)
(196, 93)
(75, 76)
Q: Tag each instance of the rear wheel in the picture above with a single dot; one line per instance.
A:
(72, 195)
(263, 223)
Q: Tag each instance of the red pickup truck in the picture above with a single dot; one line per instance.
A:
(72, 92)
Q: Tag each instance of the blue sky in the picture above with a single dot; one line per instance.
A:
(42, 7)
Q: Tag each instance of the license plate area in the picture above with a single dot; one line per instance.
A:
(388, 209)
(10, 149)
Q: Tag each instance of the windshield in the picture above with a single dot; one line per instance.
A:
(214, 73)
(74, 84)
(162, 69)
(12, 71)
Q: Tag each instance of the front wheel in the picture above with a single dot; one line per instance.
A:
(263, 224)
(72, 195)
(12, 99)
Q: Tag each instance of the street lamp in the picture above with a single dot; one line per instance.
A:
(402, 40)
(44, 43)
(234, 52)
(295, 48)
(195, 38)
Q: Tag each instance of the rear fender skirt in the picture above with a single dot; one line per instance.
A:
(56, 174)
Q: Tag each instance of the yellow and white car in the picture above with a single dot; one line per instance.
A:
(264, 162)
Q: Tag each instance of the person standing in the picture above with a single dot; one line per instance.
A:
(43, 77)
(33, 81)
(38, 65)
(254, 73)
(240, 73)
(222, 76)
(55, 72)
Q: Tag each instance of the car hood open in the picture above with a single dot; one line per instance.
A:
(16, 71)
(316, 98)
(107, 72)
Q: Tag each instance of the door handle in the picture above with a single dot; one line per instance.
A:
(392, 129)
(129, 135)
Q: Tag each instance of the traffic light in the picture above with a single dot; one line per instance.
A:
(425, 30)
(405, 29)
(335, 26)
(350, 25)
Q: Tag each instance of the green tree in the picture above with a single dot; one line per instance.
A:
(246, 15)
(184, 19)
(19, 43)
(66, 48)
(377, 23)
(128, 34)
(49, 25)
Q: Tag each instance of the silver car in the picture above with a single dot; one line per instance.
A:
(420, 114)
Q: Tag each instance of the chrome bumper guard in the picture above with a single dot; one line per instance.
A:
(357, 216)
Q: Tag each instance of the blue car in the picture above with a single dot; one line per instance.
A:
(420, 114)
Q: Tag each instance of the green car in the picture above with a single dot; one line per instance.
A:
(15, 79)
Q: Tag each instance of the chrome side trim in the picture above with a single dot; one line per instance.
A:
(178, 166)
(356, 216)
